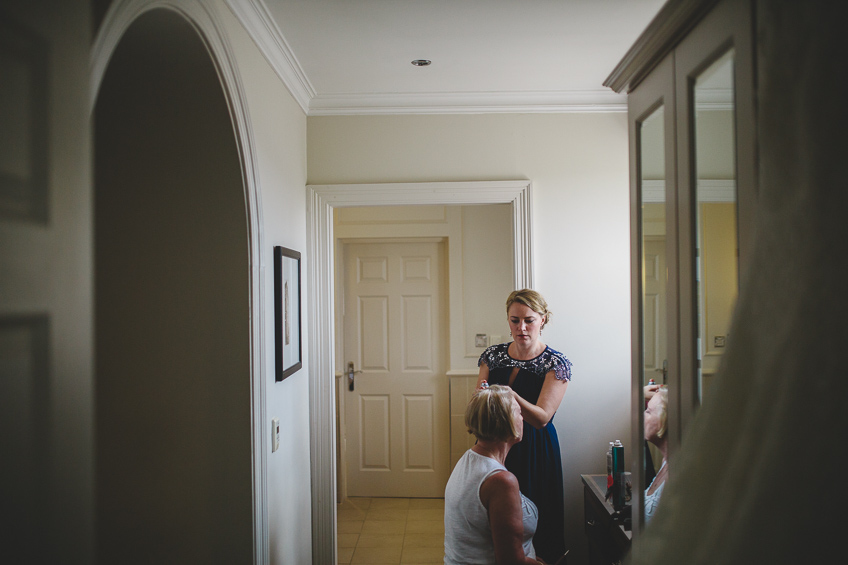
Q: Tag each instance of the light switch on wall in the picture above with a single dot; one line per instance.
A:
(481, 340)
(275, 434)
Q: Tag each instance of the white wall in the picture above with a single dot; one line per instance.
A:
(579, 168)
(279, 129)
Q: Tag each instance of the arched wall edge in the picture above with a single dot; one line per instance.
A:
(209, 26)
(320, 202)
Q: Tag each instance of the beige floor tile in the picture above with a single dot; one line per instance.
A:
(383, 527)
(394, 503)
(423, 540)
(361, 503)
(422, 554)
(347, 540)
(345, 553)
(426, 514)
(416, 503)
(389, 514)
(349, 527)
(380, 540)
(382, 555)
(349, 514)
(425, 527)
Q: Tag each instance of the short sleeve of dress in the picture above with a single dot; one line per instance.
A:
(488, 356)
(560, 365)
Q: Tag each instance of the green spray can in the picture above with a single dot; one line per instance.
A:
(619, 488)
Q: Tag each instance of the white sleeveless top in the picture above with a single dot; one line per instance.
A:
(468, 537)
(652, 500)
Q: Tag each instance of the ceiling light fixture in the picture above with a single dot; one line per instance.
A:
(421, 62)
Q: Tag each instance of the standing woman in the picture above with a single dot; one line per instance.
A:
(538, 376)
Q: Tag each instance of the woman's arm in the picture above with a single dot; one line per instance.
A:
(500, 495)
(483, 375)
(539, 414)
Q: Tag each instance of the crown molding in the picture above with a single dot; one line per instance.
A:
(254, 16)
(585, 101)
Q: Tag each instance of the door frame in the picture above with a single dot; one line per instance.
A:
(320, 202)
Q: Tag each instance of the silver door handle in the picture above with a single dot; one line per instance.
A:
(350, 374)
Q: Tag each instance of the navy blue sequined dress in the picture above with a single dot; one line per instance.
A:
(536, 460)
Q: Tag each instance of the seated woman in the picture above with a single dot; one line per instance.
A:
(655, 432)
(487, 519)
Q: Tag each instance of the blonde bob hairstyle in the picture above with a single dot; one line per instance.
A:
(532, 300)
(489, 415)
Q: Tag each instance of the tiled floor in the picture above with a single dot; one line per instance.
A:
(391, 530)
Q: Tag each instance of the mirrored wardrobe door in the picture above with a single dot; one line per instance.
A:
(653, 236)
(710, 65)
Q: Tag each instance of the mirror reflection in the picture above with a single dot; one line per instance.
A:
(716, 257)
(654, 274)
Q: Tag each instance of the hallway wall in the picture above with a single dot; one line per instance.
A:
(278, 126)
(578, 164)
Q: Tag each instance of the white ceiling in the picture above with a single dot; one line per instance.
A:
(354, 56)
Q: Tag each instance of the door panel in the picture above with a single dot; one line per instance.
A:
(396, 418)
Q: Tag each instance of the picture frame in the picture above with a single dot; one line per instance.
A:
(287, 320)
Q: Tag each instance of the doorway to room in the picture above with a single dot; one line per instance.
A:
(323, 353)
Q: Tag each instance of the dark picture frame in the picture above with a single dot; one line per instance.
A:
(287, 327)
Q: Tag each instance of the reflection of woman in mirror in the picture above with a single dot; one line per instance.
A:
(538, 376)
(656, 415)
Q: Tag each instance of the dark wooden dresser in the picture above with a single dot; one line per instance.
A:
(609, 542)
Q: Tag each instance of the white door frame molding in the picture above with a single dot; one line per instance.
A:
(320, 202)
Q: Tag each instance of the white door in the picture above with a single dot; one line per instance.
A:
(396, 416)
(655, 330)
(656, 340)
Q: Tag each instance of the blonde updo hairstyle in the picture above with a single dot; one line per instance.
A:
(532, 300)
(488, 415)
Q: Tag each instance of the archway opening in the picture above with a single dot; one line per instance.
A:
(172, 307)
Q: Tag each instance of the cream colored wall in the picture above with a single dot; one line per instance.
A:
(279, 129)
(578, 165)
(719, 279)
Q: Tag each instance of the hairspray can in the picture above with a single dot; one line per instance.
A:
(609, 469)
(619, 488)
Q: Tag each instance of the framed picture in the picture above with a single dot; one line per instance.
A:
(287, 312)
